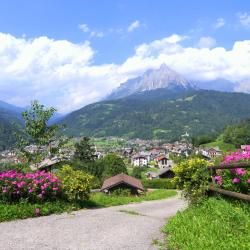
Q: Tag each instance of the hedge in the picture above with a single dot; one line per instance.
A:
(159, 184)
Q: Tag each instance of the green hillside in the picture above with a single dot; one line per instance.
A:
(223, 146)
(158, 114)
(8, 119)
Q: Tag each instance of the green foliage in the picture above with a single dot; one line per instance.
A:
(208, 112)
(84, 158)
(215, 224)
(159, 184)
(223, 146)
(84, 151)
(138, 171)
(38, 132)
(203, 139)
(227, 180)
(177, 158)
(238, 134)
(121, 192)
(113, 165)
(8, 119)
(36, 124)
(102, 168)
(192, 176)
(76, 184)
(20, 167)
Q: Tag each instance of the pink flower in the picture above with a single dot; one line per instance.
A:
(40, 196)
(235, 180)
(30, 190)
(240, 171)
(218, 179)
(37, 211)
(55, 188)
(248, 181)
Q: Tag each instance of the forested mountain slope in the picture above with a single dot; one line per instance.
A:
(160, 113)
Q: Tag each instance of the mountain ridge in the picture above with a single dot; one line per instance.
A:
(163, 77)
(162, 116)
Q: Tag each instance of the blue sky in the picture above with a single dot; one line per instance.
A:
(59, 19)
(87, 48)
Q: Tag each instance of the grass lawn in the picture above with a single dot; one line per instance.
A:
(224, 147)
(24, 210)
(216, 224)
(102, 200)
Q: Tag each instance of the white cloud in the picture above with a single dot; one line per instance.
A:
(194, 63)
(220, 22)
(96, 34)
(62, 74)
(135, 25)
(84, 27)
(244, 86)
(57, 72)
(92, 33)
(244, 19)
(206, 42)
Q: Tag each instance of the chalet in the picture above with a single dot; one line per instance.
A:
(166, 173)
(140, 160)
(168, 147)
(156, 151)
(122, 181)
(127, 152)
(212, 152)
(161, 161)
(209, 153)
(151, 175)
(47, 163)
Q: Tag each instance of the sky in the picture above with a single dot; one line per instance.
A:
(70, 53)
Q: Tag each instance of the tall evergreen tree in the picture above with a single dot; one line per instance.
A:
(84, 151)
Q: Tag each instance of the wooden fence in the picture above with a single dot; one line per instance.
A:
(213, 187)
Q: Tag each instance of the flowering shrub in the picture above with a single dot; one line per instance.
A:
(38, 186)
(192, 177)
(76, 184)
(237, 179)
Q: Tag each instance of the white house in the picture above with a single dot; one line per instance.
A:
(140, 160)
(161, 161)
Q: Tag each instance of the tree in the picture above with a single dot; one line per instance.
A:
(137, 172)
(84, 151)
(84, 159)
(38, 132)
(238, 134)
(113, 165)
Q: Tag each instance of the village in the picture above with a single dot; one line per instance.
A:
(157, 156)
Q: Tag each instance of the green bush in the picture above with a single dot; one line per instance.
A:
(122, 192)
(75, 183)
(159, 184)
(193, 178)
(137, 172)
(20, 167)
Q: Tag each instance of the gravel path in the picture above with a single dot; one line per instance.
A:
(102, 229)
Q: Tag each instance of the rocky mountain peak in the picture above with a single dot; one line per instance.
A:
(163, 77)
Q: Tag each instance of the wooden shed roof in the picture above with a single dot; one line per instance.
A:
(122, 178)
